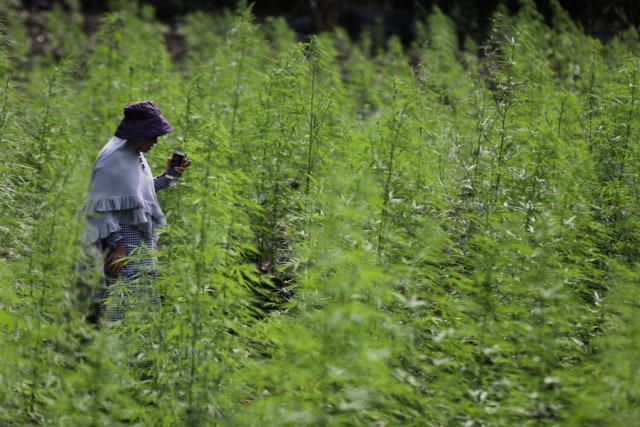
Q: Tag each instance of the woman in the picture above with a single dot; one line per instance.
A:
(122, 209)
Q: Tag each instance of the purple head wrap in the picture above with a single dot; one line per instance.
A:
(142, 120)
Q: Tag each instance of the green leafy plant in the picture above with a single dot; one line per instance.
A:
(366, 235)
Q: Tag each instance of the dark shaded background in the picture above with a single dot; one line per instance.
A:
(599, 18)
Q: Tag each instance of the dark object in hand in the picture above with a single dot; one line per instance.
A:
(176, 161)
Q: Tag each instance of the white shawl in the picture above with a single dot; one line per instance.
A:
(121, 191)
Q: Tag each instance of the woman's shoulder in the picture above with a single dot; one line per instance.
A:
(116, 149)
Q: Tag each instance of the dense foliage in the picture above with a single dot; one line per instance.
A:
(367, 236)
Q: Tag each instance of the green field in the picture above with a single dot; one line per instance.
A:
(369, 235)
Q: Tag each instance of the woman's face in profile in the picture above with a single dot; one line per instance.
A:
(146, 145)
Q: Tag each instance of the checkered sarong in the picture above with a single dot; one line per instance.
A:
(134, 287)
(131, 300)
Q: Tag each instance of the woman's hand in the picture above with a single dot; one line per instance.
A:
(179, 169)
(115, 261)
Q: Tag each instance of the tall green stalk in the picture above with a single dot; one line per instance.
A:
(593, 104)
(504, 98)
(40, 261)
(242, 46)
(396, 130)
(312, 129)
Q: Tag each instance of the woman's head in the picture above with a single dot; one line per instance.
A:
(142, 122)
